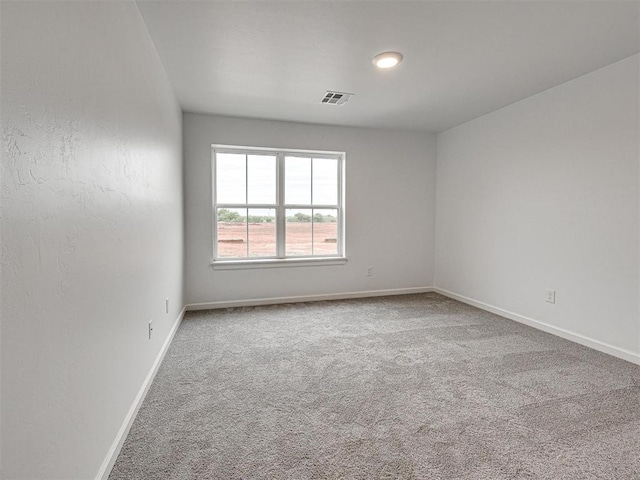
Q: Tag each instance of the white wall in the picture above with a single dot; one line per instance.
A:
(390, 194)
(544, 194)
(92, 229)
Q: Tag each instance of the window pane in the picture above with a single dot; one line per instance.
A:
(325, 181)
(232, 232)
(231, 178)
(325, 231)
(297, 180)
(261, 179)
(299, 241)
(262, 232)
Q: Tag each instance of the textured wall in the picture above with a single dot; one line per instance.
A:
(92, 237)
(390, 193)
(544, 194)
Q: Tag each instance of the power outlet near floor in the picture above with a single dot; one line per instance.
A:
(166, 306)
(551, 296)
(150, 328)
(370, 272)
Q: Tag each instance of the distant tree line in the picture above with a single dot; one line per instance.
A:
(317, 217)
(226, 215)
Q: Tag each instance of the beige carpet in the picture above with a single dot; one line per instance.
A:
(404, 387)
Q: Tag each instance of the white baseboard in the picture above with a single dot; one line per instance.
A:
(116, 446)
(545, 327)
(306, 298)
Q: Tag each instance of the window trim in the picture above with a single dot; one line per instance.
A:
(280, 260)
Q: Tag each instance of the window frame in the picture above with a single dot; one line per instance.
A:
(281, 259)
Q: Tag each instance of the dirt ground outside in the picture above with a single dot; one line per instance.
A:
(261, 242)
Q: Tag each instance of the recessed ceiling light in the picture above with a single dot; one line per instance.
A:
(387, 59)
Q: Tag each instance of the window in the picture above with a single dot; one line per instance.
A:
(277, 206)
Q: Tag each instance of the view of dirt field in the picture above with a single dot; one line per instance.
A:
(233, 242)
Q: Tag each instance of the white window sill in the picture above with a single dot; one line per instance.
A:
(277, 263)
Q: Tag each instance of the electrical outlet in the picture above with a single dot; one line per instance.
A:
(166, 305)
(551, 296)
(150, 328)
(370, 272)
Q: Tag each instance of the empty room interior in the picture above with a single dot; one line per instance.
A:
(320, 240)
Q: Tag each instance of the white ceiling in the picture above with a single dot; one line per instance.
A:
(275, 60)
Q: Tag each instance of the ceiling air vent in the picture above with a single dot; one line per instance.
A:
(336, 98)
